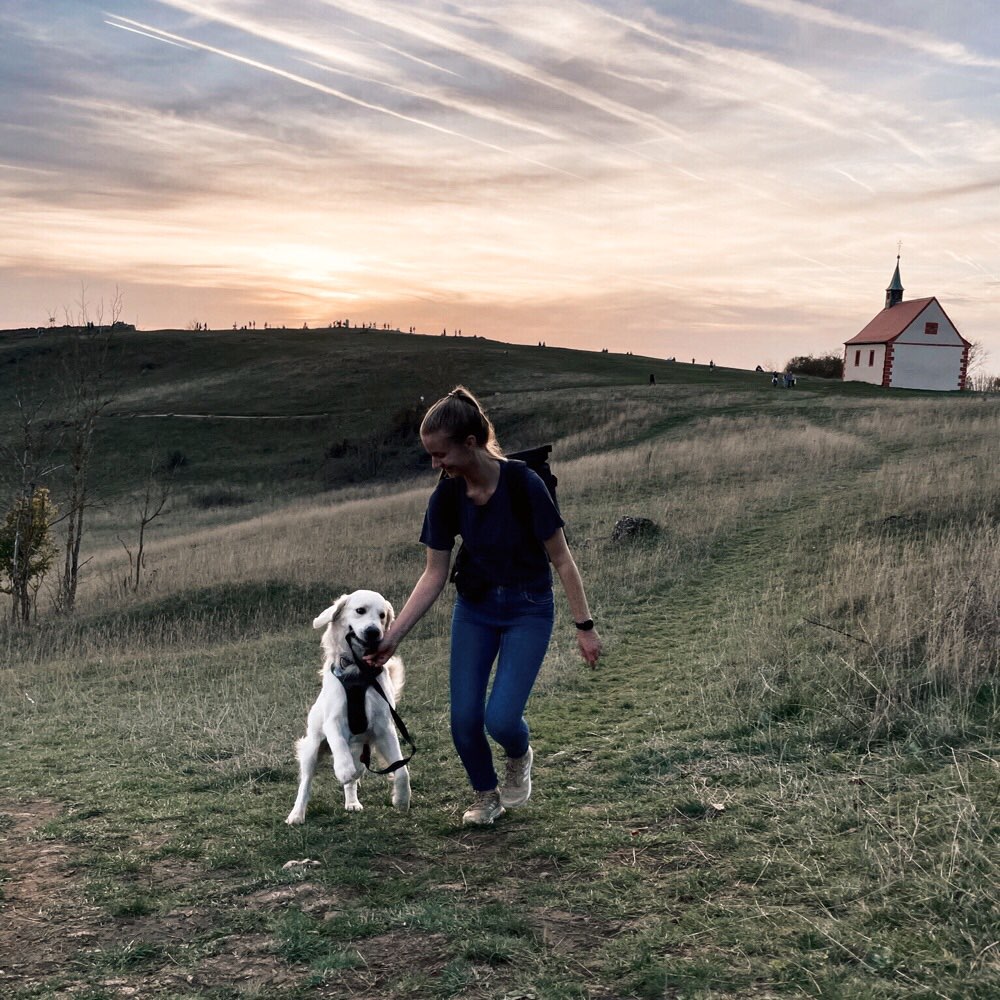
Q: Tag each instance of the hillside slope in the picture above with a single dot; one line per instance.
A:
(781, 780)
(269, 414)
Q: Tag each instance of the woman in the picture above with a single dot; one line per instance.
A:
(510, 531)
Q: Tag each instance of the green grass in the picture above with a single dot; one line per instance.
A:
(738, 803)
(320, 390)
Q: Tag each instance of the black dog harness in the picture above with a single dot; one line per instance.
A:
(357, 677)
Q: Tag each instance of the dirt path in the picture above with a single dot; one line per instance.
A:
(41, 924)
(221, 416)
(52, 940)
(54, 944)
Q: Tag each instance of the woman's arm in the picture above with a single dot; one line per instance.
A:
(565, 565)
(424, 594)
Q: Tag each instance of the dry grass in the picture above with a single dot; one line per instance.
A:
(895, 630)
(740, 803)
(307, 542)
(927, 612)
(697, 483)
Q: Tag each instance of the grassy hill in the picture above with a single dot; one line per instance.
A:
(781, 781)
(275, 412)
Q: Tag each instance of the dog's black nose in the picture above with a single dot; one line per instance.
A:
(371, 636)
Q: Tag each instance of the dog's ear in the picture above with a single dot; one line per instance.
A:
(390, 615)
(331, 612)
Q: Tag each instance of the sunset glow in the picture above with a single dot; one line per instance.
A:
(725, 179)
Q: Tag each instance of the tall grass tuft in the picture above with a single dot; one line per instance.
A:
(898, 638)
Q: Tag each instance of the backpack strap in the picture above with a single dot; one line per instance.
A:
(518, 486)
(537, 459)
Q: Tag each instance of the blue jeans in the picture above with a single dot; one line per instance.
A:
(513, 627)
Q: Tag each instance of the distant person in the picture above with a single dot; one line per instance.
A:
(504, 611)
(652, 379)
(711, 364)
(774, 378)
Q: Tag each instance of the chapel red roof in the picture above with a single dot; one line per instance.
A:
(891, 322)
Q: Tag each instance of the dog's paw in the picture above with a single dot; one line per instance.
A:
(296, 817)
(401, 790)
(353, 807)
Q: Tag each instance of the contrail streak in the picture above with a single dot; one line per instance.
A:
(170, 38)
(441, 101)
(146, 34)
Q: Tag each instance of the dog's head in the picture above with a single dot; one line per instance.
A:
(363, 615)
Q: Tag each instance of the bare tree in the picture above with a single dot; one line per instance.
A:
(154, 501)
(978, 356)
(29, 457)
(84, 389)
(86, 378)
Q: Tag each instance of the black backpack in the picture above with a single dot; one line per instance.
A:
(469, 583)
(536, 459)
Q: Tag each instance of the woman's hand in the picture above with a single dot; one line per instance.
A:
(590, 646)
(423, 595)
(562, 559)
(385, 651)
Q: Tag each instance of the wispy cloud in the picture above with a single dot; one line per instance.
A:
(854, 180)
(919, 41)
(447, 103)
(302, 81)
(693, 177)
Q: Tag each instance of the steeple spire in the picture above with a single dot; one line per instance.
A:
(894, 293)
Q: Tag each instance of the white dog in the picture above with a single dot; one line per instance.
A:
(355, 624)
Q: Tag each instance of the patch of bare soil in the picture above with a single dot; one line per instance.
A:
(305, 896)
(383, 958)
(244, 959)
(42, 926)
(51, 939)
(573, 933)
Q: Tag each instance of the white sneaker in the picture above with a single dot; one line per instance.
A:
(516, 788)
(484, 810)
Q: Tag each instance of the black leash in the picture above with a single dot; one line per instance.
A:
(367, 677)
(366, 754)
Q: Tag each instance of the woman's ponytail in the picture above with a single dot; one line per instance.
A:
(458, 415)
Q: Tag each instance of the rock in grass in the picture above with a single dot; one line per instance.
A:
(629, 527)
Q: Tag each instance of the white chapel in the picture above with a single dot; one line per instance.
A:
(908, 345)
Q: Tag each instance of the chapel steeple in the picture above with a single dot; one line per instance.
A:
(894, 293)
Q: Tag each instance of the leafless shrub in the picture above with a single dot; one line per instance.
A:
(151, 504)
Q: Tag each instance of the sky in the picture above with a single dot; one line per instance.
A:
(724, 180)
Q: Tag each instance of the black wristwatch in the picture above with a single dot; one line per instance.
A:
(586, 626)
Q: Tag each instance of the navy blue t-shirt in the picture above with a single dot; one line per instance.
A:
(502, 547)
